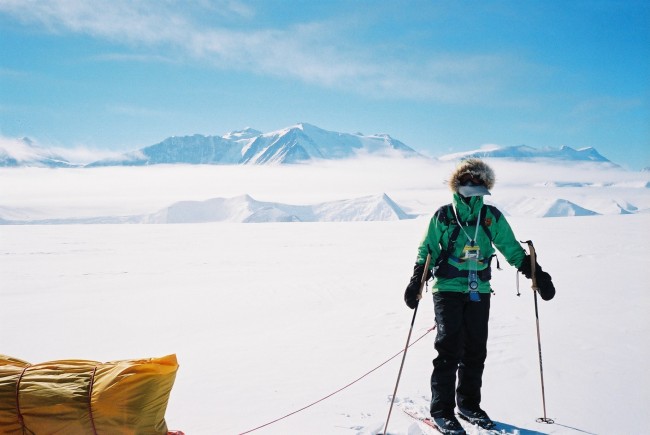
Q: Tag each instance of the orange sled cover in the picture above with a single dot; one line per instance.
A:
(78, 397)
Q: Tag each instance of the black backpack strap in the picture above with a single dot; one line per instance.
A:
(452, 239)
(497, 215)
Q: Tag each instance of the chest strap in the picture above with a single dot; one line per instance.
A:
(443, 269)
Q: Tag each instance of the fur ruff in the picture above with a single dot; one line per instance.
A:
(475, 167)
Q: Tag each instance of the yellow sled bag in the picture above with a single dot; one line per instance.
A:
(78, 397)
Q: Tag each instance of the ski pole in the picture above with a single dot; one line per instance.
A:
(533, 264)
(408, 338)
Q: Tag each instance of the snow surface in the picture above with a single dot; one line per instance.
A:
(268, 318)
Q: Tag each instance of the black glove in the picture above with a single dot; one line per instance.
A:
(544, 282)
(545, 285)
(413, 288)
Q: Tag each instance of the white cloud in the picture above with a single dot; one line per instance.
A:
(82, 154)
(310, 52)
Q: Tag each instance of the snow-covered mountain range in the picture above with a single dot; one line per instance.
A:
(295, 144)
(524, 152)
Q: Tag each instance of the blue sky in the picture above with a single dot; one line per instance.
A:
(441, 76)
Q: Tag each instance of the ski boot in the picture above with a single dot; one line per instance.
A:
(477, 417)
(448, 426)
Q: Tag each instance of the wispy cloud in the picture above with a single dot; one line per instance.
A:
(309, 52)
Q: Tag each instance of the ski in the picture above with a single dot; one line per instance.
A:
(424, 420)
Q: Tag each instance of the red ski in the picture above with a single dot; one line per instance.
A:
(424, 420)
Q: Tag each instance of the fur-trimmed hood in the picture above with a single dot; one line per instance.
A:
(477, 168)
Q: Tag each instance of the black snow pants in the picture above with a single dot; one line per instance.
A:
(461, 343)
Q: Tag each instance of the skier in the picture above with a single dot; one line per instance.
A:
(460, 240)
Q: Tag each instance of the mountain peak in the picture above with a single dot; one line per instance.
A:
(246, 133)
(306, 128)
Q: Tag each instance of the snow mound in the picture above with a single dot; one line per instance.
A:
(562, 207)
(611, 206)
(245, 209)
(235, 209)
(548, 207)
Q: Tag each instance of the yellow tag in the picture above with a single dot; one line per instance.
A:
(471, 251)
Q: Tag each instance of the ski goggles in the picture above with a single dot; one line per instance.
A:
(469, 179)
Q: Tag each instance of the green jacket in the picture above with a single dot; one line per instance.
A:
(441, 228)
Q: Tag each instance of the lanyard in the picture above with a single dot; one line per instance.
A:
(478, 219)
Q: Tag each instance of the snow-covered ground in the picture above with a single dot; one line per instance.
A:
(267, 318)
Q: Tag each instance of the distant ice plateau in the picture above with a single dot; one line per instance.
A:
(245, 209)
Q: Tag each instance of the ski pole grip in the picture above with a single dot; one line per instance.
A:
(424, 275)
(533, 264)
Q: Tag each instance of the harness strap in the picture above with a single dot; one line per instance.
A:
(446, 214)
